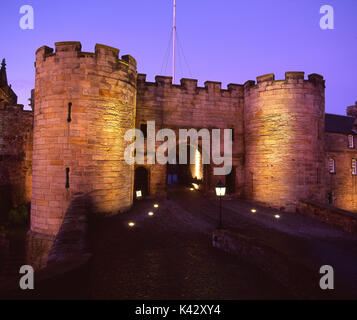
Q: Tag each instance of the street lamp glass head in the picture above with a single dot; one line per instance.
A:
(139, 194)
(220, 189)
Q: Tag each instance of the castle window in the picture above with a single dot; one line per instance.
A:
(330, 198)
(350, 141)
(354, 167)
(144, 129)
(67, 178)
(69, 119)
(331, 165)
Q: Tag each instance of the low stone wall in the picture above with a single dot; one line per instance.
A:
(341, 219)
(38, 247)
(72, 238)
(61, 265)
(290, 272)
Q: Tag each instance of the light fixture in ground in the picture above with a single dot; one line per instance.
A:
(156, 205)
(131, 224)
(277, 216)
(150, 213)
(192, 189)
(196, 186)
(253, 211)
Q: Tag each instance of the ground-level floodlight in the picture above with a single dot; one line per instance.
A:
(196, 183)
(195, 186)
(139, 194)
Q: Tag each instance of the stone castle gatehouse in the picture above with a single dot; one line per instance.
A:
(285, 148)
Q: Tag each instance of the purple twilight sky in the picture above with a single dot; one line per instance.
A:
(223, 40)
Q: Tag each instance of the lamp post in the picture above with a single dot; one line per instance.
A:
(220, 192)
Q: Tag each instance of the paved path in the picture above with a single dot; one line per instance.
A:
(169, 255)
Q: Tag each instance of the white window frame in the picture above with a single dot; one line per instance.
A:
(354, 167)
(331, 165)
(351, 144)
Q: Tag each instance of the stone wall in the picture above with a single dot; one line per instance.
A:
(284, 139)
(189, 106)
(341, 219)
(341, 185)
(85, 102)
(16, 127)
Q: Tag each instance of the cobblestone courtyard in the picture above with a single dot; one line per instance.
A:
(170, 255)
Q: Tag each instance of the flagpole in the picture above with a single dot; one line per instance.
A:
(174, 43)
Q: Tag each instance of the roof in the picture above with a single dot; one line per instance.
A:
(339, 124)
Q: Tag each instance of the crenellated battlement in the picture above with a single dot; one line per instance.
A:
(68, 46)
(190, 85)
(317, 79)
(73, 49)
(291, 77)
(294, 75)
(17, 108)
(266, 77)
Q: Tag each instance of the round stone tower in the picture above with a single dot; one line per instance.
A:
(85, 102)
(284, 139)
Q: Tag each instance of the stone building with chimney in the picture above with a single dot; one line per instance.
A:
(15, 148)
(7, 95)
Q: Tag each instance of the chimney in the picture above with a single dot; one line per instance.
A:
(352, 110)
(3, 77)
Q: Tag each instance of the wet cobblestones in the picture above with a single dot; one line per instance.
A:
(170, 256)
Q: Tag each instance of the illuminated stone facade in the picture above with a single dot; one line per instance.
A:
(284, 139)
(340, 148)
(85, 102)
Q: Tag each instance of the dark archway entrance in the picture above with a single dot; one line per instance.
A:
(178, 174)
(141, 181)
(184, 174)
